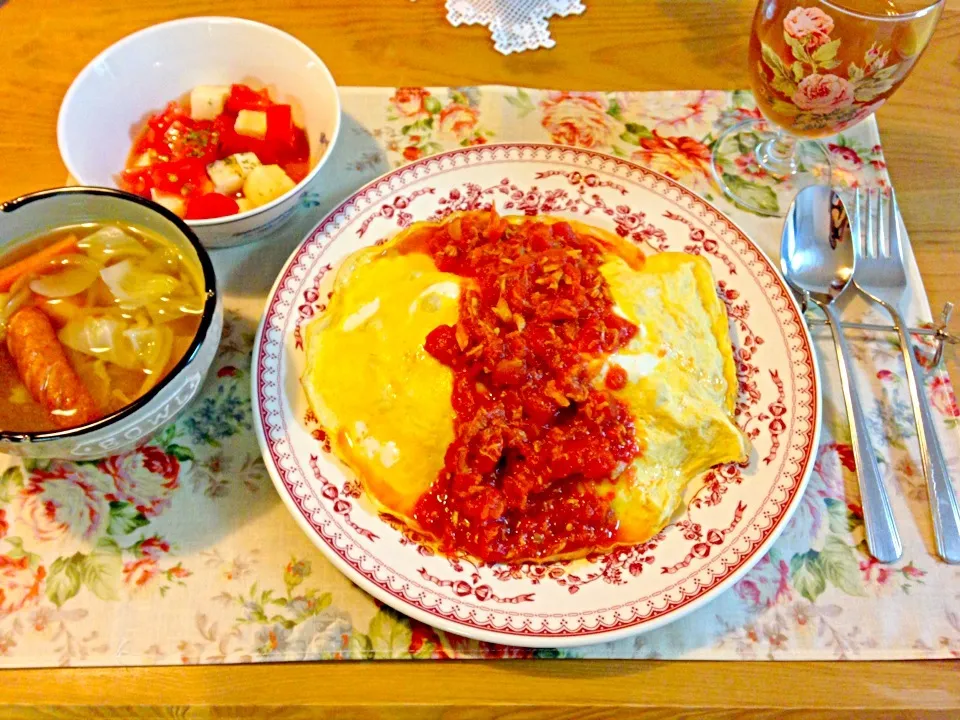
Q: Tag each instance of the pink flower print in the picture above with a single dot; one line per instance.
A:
(943, 399)
(153, 547)
(765, 585)
(4, 525)
(822, 94)
(847, 157)
(457, 119)
(138, 573)
(410, 102)
(64, 499)
(145, 478)
(576, 118)
(19, 584)
(875, 60)
(811, 26)
(874, 571)
(674, 113)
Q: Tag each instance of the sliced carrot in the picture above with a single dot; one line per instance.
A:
(32, 263)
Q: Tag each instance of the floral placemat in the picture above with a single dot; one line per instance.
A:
(181, 551)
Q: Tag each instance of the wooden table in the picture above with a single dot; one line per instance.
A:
(617, 44)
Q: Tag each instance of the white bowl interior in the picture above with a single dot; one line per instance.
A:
(113, 96)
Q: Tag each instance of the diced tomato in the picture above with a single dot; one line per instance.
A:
(296, 171)
(231, 142)
(211, 205)
(192, 139)
(187, 177)
(243, 97)
(280, 125)
(300, 148)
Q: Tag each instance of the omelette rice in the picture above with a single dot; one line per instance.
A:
(524, 389)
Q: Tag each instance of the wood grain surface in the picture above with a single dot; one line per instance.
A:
(616, 44)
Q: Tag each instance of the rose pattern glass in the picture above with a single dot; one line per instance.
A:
(817, 67)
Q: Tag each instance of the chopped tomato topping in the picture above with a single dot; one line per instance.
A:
(534, 429)
(243, 97)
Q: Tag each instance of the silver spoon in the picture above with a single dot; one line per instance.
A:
(817, 259)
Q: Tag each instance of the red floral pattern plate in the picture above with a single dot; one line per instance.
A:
(733, 514)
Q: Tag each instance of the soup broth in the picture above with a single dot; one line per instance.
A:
(92, 317)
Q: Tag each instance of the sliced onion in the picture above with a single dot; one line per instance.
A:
(133, 286)
(112, 243)
(154, 346)
(72, 281)
(164, 259)
(167, 310)
(103, 338)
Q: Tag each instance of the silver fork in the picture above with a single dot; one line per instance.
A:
(880, 274)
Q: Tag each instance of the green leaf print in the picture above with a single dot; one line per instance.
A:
(10, 483)
(390, 634)
(634, 133)
(869, 88)
(63, 582)
(761, 195)
(125, 518)
(613, 110)
(798, 50)
(841, 567)
(166, 436)
(100, 570)
(782, 76)
(782, 107)
(432, 105)
(360, 647)
(807, 574)
(841, 520)
(180, 452)
(522, 102)
(826, 55)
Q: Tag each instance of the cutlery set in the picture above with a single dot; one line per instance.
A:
(833, 245)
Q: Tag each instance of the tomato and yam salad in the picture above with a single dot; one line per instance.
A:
(92, 317)
(532, 388)
(218, 151)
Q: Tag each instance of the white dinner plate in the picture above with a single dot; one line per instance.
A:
(734, 513)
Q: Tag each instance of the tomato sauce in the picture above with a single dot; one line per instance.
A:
(534, 428)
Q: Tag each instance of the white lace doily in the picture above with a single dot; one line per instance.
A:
(516, 25)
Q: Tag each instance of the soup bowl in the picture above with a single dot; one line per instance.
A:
(109, 101)
(27, 218)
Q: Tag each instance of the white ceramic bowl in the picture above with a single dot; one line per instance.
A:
(111, 98)
(31, 216)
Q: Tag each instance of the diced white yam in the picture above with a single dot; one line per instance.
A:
(245, 204)
(266, 183)
(144, 160)
(252, 123)
(171, 201)
(206, 101)
(228, 174)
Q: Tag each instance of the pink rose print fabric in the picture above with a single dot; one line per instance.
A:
(181, 552)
